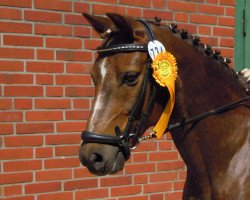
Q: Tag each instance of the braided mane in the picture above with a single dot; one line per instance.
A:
(203, 48)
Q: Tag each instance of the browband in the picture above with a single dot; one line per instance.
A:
(122, 48)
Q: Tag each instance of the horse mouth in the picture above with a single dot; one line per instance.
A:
(102, 163)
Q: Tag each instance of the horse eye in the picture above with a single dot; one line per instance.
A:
(130, 78)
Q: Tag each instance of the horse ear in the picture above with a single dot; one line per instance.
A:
(100, 24)
(121, 23)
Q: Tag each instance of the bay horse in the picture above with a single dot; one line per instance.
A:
(210, 121)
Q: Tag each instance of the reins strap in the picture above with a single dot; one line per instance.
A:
(208, 114)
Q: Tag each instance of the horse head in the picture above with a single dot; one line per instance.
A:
(118, 78)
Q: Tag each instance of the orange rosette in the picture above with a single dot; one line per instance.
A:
(164, 68)
(165, 73)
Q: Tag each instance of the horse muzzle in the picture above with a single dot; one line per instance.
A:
(101, 159)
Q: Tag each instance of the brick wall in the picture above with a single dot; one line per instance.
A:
(46, 94)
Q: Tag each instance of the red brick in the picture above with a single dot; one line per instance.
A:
(226, 21)
(52, 103)
(51, 175)
(203, 19)
(102, 9)
(9, 13)
(23, 91)
(11, 65)
(6, 129)
(16, 53)
(53, 5)
(11, 178)
(82, 7)
(140, 157)
(163, 177)
(54, 91)
(230, 11)
(67, 150)
(63, 139)
(74, 55)
(158, 187)
(134, 12)
(23, 197)
(168, 166)
(64, 43)
(61, 163)
(23, 40)
(140, 168)
(92, 194)
(73, 80)
(205, 30)
(182, 6)
(179, 185)
(17, 3)
(13, 190)
(45, 67)
(44, 54)
(228, 2)
(145, 3)
(11, 116)
(92, 44)
(12, 27)
(161, 156)
(23, 104)
(41, 16)
(15, 166)
(23, 141)
(42, 187)
(227, 42)
(77, 115)
(82, 172)
(44, 115)
(226, 32)
(159, 4)
(78, 68)
(16, 79)
(174, 196)
(75, 19)
(81, 103)
(71, 126)
(156, 197)
(81, 184)
(116, 181)
(181, 17)
(80, 91)
(44, 152)
(43, 79)
(136, 197)
(34, 128)
(140, 179)
(5, 104)
(54, 196)
(211, 9)
(44, 29)
(81, 32)
(126, 190)
(10, 154)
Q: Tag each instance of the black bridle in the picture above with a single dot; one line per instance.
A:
(130, 137)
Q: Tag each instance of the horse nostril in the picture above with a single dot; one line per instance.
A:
(96, 158)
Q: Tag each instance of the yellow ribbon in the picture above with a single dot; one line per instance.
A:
(165, 73)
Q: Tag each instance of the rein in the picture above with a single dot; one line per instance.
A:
(128, 140)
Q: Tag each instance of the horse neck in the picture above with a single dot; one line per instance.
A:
(204, 83)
